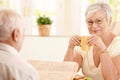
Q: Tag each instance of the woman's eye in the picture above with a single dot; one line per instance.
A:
(90, 22)
(98, 21)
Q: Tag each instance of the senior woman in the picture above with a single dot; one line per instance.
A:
(102, 61)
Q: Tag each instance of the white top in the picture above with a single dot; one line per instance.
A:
(13, 66)
(88, 66)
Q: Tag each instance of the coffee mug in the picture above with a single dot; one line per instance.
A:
(83, 43)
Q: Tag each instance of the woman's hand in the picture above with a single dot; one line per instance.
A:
(74, 41)
(95, 40)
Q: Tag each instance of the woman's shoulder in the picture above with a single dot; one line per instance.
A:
(114, 47)
(115, 43)
(117, 38)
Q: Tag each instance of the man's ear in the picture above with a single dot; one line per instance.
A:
(15, 35)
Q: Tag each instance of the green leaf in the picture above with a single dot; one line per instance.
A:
(88, 78)
(44, 20)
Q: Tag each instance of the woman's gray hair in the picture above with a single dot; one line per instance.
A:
(9, 20)
(98, 6)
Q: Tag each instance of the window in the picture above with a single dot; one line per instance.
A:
(30, 10)
(68, 15)
(34, 8)
(44, 7)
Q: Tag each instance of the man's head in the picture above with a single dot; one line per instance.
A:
(11, 28)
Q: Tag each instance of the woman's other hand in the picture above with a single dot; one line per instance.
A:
(96, 41)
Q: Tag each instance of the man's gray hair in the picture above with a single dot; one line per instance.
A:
(9, 20)
(98, 6)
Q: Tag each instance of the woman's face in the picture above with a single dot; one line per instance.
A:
(98, 23)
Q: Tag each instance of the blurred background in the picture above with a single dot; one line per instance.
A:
(67, 15)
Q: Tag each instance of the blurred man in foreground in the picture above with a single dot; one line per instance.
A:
(12, 65)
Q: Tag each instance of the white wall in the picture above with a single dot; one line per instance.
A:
(44, 48)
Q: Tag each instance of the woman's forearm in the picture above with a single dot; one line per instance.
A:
(69, 54)
(108, 68)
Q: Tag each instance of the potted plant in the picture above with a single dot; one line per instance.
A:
(44, 25)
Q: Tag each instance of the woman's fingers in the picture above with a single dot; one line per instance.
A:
(75, 40)
(95, 40)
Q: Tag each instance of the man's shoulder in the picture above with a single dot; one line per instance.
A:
(20, 69)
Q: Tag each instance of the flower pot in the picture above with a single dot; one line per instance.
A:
(44, 30)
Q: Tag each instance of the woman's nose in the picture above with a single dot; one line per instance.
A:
(94, 25)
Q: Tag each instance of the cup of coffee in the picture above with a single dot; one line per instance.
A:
(83, 43)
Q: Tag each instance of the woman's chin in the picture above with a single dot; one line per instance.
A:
(96, 33)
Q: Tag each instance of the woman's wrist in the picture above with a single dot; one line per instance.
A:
(70, 46)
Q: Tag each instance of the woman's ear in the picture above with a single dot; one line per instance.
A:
(110, 20)
(15, 35)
